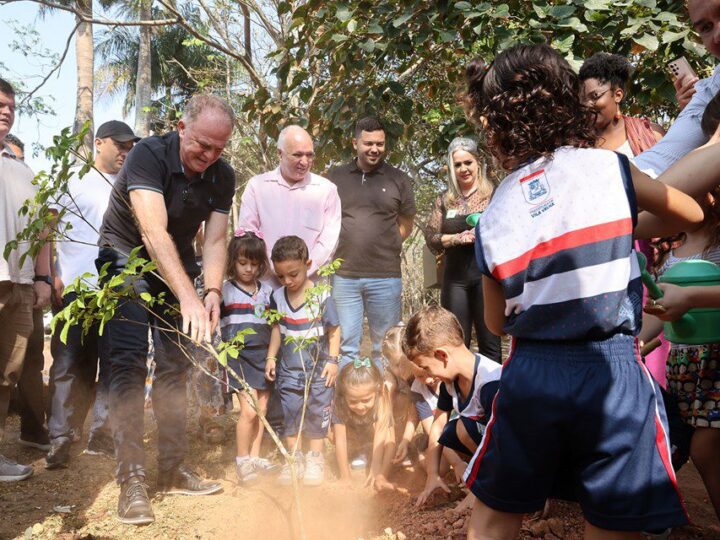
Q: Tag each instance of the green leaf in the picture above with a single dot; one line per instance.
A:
(375, 28)
(670, 37)
(561, 12)
(352, 25)
(146, 297)
(402, 19)
(597, 5)
(343, 13)
(463, 6)
(648, 41)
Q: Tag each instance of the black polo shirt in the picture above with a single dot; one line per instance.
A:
(370, 241)
(154, 164)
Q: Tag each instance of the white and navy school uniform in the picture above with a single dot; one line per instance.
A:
(241, 310)
(574, 394)
(472, 410)
(297, 366)
(424, 398)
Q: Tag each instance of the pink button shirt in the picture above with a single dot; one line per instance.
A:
(309, 209)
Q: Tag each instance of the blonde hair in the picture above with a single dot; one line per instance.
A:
(364, 375)
(430, 328)
(484, 184)
(398, 364)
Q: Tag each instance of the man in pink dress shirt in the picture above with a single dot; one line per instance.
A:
(292, 200)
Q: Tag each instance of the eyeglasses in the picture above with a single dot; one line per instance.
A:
(594, 97)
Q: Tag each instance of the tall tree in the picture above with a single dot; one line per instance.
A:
(143, 88)
(84, 53)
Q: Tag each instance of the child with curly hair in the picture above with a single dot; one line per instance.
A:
(560, 275)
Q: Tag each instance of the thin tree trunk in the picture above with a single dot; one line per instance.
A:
(247, 33)
(143, 93)
(84, 53)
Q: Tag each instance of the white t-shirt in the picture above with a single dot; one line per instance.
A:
(86, 201)
(15, 188)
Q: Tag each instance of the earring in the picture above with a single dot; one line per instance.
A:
(618, 114)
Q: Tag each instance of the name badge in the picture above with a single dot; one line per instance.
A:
(451, 214)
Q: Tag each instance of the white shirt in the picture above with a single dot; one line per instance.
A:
(85, 202)
(16, 187)
(685, 134)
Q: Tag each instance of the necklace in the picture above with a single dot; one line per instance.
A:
(257, 289)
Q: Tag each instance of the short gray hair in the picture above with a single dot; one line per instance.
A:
(203, 102)
(284, 132)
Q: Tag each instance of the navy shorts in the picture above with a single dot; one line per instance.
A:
(587, 416)
(250, 365)
(290, 389)
(450, 439)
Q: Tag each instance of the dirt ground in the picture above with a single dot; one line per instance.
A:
(80, 503)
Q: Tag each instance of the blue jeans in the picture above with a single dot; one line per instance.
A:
(378, 298)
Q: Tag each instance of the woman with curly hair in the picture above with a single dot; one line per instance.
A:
(447, 233)
(555, 246)
(604, 77)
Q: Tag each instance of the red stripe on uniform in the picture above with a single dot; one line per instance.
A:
(480, 452)
(533, 175)
(239, 306)
(573, 239)
(661, 440)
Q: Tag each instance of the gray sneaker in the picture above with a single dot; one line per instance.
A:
(314, 469)
(246, 471)
(285, 478)
(13, 472)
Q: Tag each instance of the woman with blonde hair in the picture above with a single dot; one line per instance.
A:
(447, 233)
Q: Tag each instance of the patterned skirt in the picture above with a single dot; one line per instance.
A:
(693, 378)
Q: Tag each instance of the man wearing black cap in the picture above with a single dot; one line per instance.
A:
(75, 363)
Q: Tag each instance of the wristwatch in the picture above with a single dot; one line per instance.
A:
(47, 279)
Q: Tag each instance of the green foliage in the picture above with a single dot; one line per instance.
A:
(405, 60)
(40, 211)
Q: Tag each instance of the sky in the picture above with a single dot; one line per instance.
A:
(59, 91)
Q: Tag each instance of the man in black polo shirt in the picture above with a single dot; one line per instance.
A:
(378, 209)
(167, 187)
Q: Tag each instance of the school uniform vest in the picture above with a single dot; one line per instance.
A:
(557, 236)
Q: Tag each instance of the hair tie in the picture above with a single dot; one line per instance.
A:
(361, 363)
(242, 232)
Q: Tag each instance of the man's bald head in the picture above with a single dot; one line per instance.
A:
(296, 153)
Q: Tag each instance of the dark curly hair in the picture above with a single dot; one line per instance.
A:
(607, 68)
(529, 103)
(710, 118)
(663, 246)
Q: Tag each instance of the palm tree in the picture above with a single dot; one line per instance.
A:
(179, 67)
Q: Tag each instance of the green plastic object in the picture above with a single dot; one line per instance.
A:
(698, 325)
(472, 219)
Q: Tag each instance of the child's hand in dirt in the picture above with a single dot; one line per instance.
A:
(329, 374)
(431, 485)
(402, 452)
(383, 484)
(270, 369)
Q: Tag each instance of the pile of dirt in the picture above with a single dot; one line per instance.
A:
(80, 502)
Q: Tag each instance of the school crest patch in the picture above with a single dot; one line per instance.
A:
(535, 187)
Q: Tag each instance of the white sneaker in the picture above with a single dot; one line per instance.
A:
(265, 466)
(246, 471)
(314, 469)
(359, 463)
(285, 478)
(11, 471)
